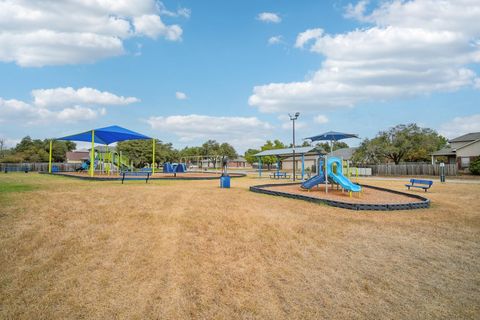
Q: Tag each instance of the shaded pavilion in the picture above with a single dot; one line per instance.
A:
(106, 136)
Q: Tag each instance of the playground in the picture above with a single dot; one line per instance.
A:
(170, 243)
(370, 196)
(76, 248)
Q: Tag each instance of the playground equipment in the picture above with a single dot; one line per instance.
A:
(174, 167)
(330, 169)
(167, 167)
(106, 136)
(225, 178)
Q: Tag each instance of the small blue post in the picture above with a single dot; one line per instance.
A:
(278, 166)
(303, 165)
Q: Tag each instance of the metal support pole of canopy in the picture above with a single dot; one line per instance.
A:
(92, 155)
(153, 156)
(303, 166)
(50, 157)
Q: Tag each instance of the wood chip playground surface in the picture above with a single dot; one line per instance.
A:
(73, 248)
(368, 195)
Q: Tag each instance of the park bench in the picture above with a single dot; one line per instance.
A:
(422, 184)
(279, 175)
(140, 175)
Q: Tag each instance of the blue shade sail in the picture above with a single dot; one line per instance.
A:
(332, 136)
(106, 135)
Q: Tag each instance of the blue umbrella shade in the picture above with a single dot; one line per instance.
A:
(332, 136)
(107, 135)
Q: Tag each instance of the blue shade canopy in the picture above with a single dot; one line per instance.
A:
(107, 135)
(332, 136)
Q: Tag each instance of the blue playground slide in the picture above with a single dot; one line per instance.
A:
(337, 177)
(174, 167)
(181, 167)
(313, 181)
(167, 167)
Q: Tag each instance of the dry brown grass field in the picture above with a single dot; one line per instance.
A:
(72, 249)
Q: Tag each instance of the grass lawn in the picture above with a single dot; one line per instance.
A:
(188, 249)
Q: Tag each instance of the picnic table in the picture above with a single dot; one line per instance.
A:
(279, 175)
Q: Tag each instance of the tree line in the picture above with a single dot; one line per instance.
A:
(138, 151)
(35, 150)
(403, 142)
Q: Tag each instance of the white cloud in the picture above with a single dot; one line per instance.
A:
(309, 34)
(413, 48)
(78, 113)
(60, 104)
(269, 17)
(241, 132)
(181, 12)
(461, 125)
(275, 40)
(59, 97)
(152, 26)
(356, 11)
(180, 95)
(320, 119)
(39, 33)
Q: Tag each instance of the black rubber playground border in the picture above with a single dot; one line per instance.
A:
(424, 204)
(119, 178)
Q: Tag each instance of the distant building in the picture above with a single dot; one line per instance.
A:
(77, 156)
(239, 162)
(462, 151)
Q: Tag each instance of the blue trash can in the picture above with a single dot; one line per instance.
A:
(225, 182)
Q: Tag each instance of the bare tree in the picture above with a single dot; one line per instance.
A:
(2, 144)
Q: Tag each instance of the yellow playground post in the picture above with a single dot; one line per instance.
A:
(92, 155)
(153, 156)
(50, 158)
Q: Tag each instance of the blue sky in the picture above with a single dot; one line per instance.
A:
(188, 71)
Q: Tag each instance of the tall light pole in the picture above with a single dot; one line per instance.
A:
(293, 118)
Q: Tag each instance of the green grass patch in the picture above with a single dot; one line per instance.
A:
(15, 187)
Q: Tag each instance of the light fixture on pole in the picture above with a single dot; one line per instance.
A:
(293, 118)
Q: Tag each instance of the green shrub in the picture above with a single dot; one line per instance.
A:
(475, 167)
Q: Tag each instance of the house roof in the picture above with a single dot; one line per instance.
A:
(345, 153)
(444, 152)
(239, 159)
(77, 155)
(103, 149)
(472, 136)
(288, 151)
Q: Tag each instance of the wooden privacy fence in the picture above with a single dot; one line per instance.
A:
(416, 169)
(38, 166)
